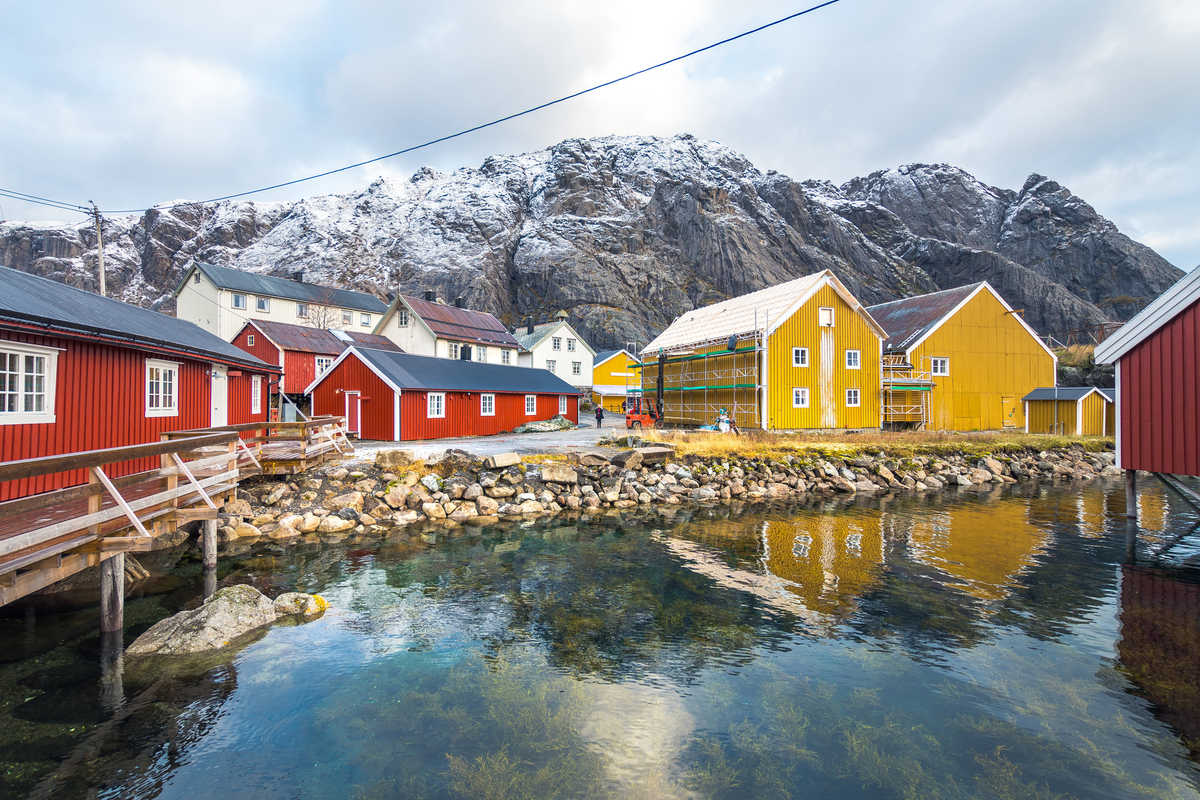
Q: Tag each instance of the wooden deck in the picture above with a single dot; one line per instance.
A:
(286, 448)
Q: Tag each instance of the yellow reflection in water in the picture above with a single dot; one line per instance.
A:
(826, 561)
(1152, 508)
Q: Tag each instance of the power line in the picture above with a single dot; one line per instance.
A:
(12, 194)
(499, 120)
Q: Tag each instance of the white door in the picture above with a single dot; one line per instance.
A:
(220, 397)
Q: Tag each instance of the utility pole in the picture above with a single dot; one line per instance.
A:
(99, 245)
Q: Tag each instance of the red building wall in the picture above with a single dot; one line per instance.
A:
(299, 370)
(1160, 399)
(240, 406)
(378, 407)
(262, 348)
(463, 417)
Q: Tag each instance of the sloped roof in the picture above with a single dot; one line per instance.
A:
(540, 331)
(910, 319)
(406, 371)
(461, 324)
(31, 300)
(605, 355)
(749, 312)
(1162, 310)
(271, 286)
(372, 340)
(1067, 393)
(307, 339)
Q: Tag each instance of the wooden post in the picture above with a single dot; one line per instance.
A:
(112, 594)
(208, 543)
(210, 582)
(112, 669)
(1131, 509)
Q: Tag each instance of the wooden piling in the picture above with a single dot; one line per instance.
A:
(112, 593)
(208, 543)
(1131, 507)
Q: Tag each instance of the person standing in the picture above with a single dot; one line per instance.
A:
(599, 415)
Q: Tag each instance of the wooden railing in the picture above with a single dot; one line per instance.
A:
(283, 447)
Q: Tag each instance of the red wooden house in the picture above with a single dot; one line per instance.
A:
(393, 396)
(84, 372)
(1157, 354)
(301, 351)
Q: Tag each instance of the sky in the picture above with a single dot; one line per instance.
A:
(134, 103)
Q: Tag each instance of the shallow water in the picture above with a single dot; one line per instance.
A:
(977, 647)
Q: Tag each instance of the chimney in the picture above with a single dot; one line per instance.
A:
(459, 302)
(297, 275)
(431, 295)
(561, 315)
(529, 325)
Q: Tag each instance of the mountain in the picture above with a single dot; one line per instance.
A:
(626, 233)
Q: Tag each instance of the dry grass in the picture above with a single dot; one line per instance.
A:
(756, 443)
(1077, 355)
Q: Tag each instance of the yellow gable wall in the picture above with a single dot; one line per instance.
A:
(826, 375)
(1095, 410)
(607, 374)
(1044, 419)
(994, 362)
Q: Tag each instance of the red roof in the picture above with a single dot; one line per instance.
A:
(372, 340)
(461, 324)
(305, 339)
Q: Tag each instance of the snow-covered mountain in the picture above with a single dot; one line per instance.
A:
(626, 233)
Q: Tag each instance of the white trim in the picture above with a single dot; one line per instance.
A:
(50, 389)
(395, 416)
(256, 394)
(857, 395)
(1026, 404)
(346, 354)
(829, 279)
(1162, 310)
(805, 396)
(857, 358)
(797, 351)
(1117, 416)
(1009, 309)
(441, 411)
(529, 413)
(1079, 415)
(491, 413)
(173, 366)
(933, 373)
(614, 355)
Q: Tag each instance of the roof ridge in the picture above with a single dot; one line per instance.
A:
(927, 294)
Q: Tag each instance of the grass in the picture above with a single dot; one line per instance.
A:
(750, 444)
(1077, 355)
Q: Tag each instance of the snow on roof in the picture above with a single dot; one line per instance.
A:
(750, 312)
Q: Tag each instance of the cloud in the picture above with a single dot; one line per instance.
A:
(138, 102)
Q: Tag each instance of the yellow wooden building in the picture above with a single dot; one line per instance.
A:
(959, 359)
(614, 373)
(1070, 410)
(799, 355)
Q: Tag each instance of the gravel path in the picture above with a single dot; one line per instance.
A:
(557, 441)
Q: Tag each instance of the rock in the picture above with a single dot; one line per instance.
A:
(262, 519)
(501, 460)
(979, 476)
(237, 507)
(247, 531)
(396, 496)
(865, 486)
(230, 613)
(703, 493)
(500, 491)
(992, 465)
(392, 459)
(840, 484)
(628, 459)
(334, 524)
(338, 474)
(405, 517)
(276, 494)
(433, 510)
(487, 506)
(431, 482)
(556, 473)
(352, 500)
(472, 492)
(593, 458)
(531, 507)
(298, 604)
(960, 480)
(555, 423)
(288, 527)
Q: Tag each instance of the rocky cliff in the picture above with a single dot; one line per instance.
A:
(626, 233)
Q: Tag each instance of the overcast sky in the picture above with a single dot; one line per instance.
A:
(134, 103)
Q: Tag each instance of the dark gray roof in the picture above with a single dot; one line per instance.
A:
(271, 286)
(60, 308)
(908, 319)
(605, 355)
(427, 372)
(1068, 393)
(1110, 393)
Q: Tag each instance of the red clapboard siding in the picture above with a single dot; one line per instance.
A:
(240, 408)
(378, 408)
(1159, 405)
(299, 370)
(99, 402)
(262, 348)
(463, 417)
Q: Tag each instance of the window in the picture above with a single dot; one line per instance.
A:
(162, 388)
(255, 394)
(570, 345)
(799, 356)
(239, 300)
(853, 359)
(27, 378)
(347, 317)
(556, 343)
(852, 398)
(196, 277)
(551, 364)
(799, 397)
(506, 356)
(825, 317)
(302, 310)
(576, 367)
(487, 405)
(562, 404)
(480, 353)
(249, 340)
(530, 405)
(402, 317)
(323, 364)
(364, 320)
(262, 303)
(435, 405)
(940, 366)
(453, 349)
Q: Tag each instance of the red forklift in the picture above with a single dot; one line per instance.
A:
(640, 413)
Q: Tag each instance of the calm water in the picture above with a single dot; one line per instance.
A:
(982, 647)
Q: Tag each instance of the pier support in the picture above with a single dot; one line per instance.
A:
(1131, 509)
(112, 594)
(112, 670)
(208, 543)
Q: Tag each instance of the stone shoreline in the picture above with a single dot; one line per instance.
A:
(334, 503)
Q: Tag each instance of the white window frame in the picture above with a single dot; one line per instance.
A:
(556, 343)
(552, 364)
(238, 300)
(481, 353)
(562, 405)
(531, 405)
(162, 410)
(857, 359)
(255, 394)
(799, 397)
(347, 316)
(487, 405)
(402, 318)
(249, 340)
(301, 310)
(944, 362)
(799, 356)
(857, 395)
(506, 356)
(49, 384)
(322, 364)
(262, 304)
(364, 320)
(825, 317)
(453, 349)
(570, 344)
(576, 367)
(435, 405)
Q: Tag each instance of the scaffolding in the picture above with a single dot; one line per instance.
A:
(907, 394)
(709, 377)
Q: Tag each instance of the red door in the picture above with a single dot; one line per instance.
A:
(354, 413)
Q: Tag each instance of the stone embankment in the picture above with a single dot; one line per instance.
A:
(335, 502)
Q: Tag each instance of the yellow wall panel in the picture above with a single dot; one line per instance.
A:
(1042, 418)
(1095, 410)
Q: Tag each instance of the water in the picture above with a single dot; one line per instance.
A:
(979, 647)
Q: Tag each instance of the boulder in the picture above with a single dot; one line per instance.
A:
(655, 454)
(352, 500)
(992, 465)
(629, 459)
(391, 459)
(299, 604)
(593, 458)
(431, 482)
(555, 423)
(288, 527)
(276, 494)
(487, 506)
(397, 496)
(501, 460)
(231, 612)
(237, 507)
(334, 524)
(433, 510)
(557, 473)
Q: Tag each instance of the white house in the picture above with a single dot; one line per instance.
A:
(222, 300)
(428, 327)
(557, 346)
